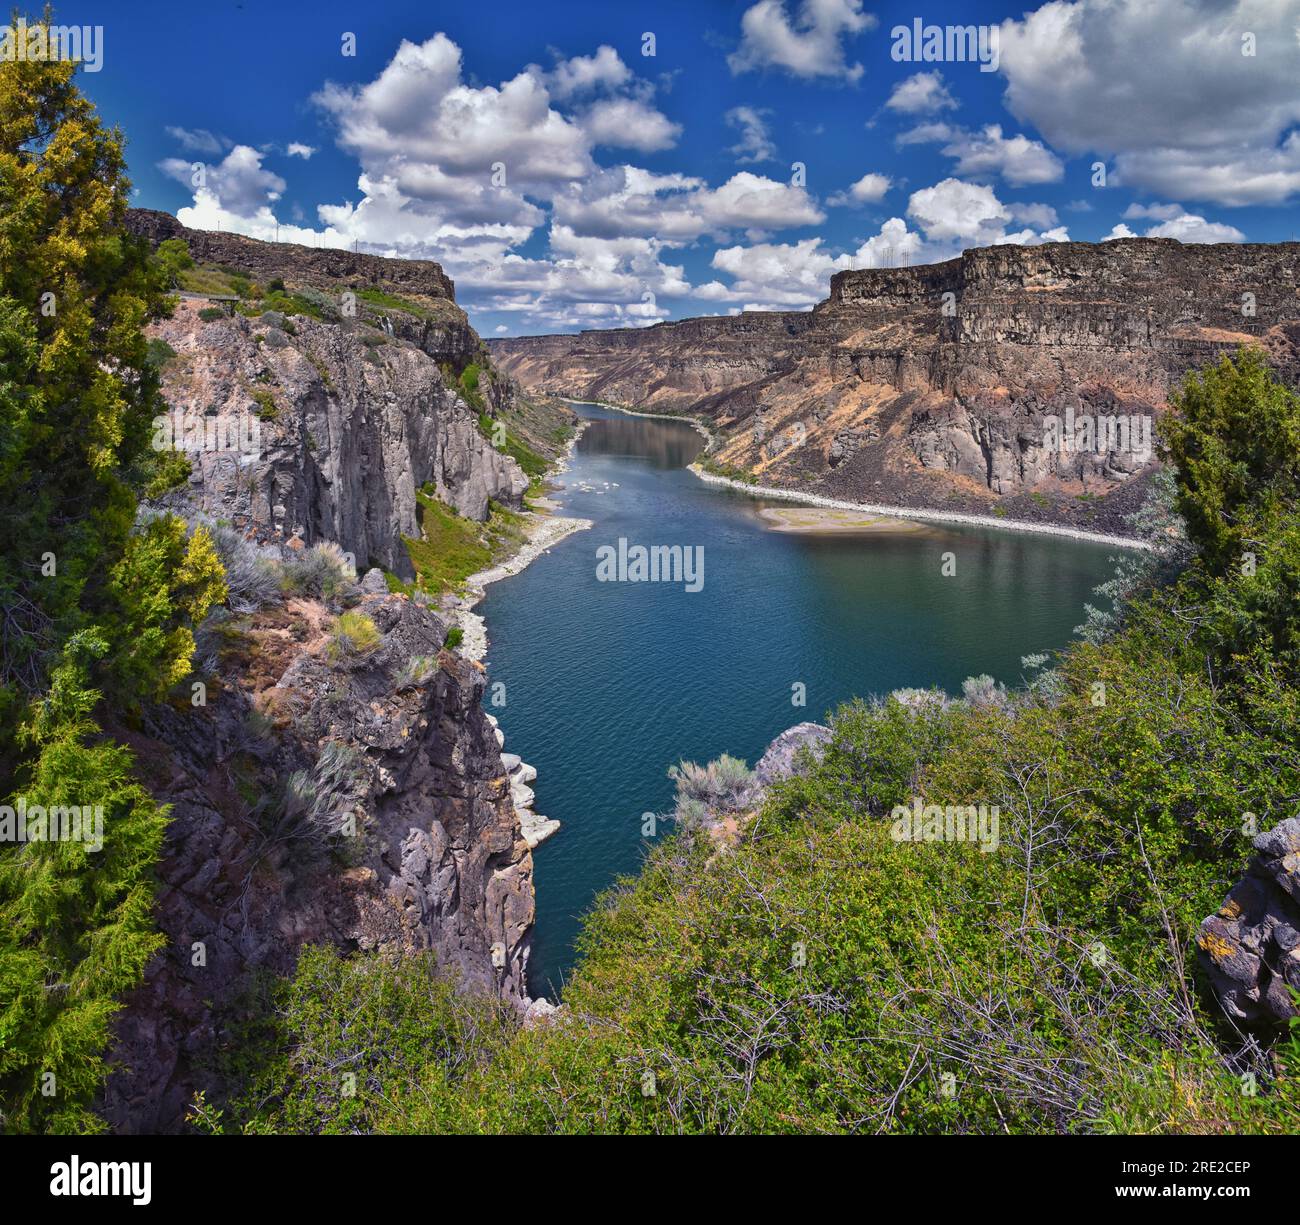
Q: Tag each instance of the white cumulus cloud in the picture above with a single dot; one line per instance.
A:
(808, 45)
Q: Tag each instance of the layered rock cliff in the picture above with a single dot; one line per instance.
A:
(330, 781)
(936, 385)
(348, 423)
(358, 800)
(342, 411)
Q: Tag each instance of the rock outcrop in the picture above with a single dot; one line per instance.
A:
(345, 425)
(781, 758)
(357, 800)
(1251, 948)
(340, 414)
(323, 267)
(934, 385)
(328, 790)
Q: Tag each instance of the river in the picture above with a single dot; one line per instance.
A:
(606, 683)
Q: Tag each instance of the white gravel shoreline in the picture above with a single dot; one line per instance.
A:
(544, 531)
(931, 516)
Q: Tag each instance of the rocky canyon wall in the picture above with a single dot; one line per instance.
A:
(935, 385)
(319, 795)
(342, 418)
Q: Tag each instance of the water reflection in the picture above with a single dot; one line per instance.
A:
(665, 444)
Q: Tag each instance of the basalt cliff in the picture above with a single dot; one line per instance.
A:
(353, 406)
(937, 385)
(330, 781)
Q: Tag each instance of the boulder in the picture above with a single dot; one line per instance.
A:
(778, 761)
(1251, 948)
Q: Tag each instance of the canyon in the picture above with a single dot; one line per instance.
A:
(938, 385)
(360, 798)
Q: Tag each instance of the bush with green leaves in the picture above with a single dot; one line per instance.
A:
(399, 1026)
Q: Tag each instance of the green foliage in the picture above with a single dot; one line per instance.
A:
(730, 472)
(267, 408)
(159, 353)
(93, 604)
(75, 924)
(173, 254)
(403, 1032)
(1235, 441)
(163, 587)
(455, 636)
(293, 304)
(210, 314)
(435, 310)
(354, 635)
(469, 386)
(451, 547)
(171, 469)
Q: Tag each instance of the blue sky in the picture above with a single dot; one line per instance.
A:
(565, 179)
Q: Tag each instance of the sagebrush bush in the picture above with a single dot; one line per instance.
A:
(417, 670)
(252, 579)
(316, 802)
(722, 784)
(322, 571)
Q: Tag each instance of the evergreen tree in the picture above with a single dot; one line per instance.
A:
(91, 603)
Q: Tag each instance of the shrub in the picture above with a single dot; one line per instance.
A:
(159, 353)
(416, 671)
(354, 636)
(322, 571)
(455, 636)
(320, 804)
(174, 256)
(983, 691)
(1235, 442)
(267, 409)
(210, 314)
(399, 1025)
(252, 580)
(469, 386)
(721, 784)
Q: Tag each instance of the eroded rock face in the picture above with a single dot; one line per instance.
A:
(349, 415)
(933, 385)
(1251, 948)
(438, 865)
(349, 424)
